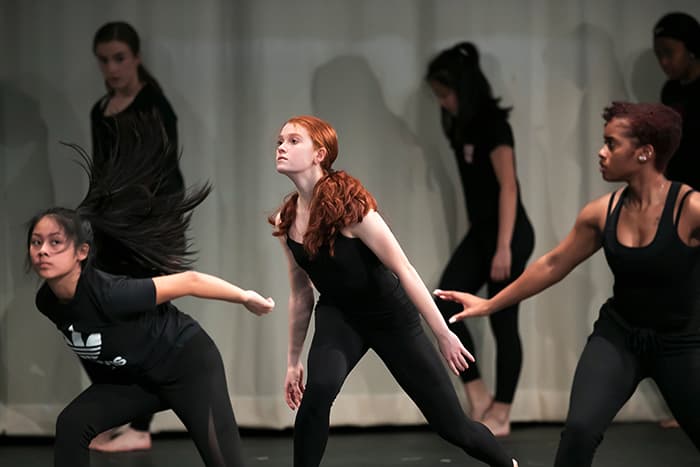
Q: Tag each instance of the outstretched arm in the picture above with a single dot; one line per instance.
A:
(197, 284)
(374, 232)
(583, 240)
(301, 304)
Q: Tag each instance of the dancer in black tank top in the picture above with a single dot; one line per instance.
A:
(370, 298)
(650, 327)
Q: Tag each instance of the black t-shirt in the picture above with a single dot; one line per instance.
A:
(104, 130)
(114, 321)
(479, 181)
(684, 166)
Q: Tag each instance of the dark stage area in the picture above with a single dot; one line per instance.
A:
(625, 444)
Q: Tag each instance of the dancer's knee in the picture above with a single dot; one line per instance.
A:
(577, 445)
(318, 399)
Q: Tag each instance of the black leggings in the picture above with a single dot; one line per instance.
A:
(613, 363)
(468, 270)
(191, 382)
(139, 423)
(399, 340)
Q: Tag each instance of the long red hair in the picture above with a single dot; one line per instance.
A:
(339, 200)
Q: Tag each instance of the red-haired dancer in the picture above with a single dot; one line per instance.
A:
(650, 327)
(371, 297)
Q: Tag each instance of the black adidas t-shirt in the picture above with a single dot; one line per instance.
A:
(114, 321)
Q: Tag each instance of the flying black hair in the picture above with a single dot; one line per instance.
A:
(140, 228)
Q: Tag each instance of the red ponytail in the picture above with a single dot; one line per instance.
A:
(339, 200)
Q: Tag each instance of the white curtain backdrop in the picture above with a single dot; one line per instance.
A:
(234, 72)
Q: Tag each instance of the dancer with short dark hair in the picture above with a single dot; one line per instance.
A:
(650, 327)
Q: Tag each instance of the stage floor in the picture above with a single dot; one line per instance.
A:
(625, 444)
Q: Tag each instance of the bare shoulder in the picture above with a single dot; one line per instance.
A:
(370, 222)
(595, 212)
(688, 215)
(691, 205)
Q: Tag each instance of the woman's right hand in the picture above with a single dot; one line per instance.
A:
(257, 304)
(294, 386)
(473, 305)
(456, 355)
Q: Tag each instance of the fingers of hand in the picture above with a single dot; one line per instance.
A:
(443, 295)
(457, 317)
(468, 355)
(453, 368)
(463, 365)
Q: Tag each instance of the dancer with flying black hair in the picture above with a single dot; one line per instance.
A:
(145, 355)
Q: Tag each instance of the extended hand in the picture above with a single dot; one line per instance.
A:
(294, 386)
(454, 352)
(473, 305)
(257, 304)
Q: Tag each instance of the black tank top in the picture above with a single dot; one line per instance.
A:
(353, 275)
(656, 286)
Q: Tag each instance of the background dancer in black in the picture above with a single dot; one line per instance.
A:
(500, 238)
(143, 353)
(677, 48)
(131, 90)
(650, 233)
(371, 298)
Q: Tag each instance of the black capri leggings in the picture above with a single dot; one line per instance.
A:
(398, 339)
(468, 270)
(191, 382)
(614, 361)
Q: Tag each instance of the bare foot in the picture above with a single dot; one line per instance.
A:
(128, 440)
(497, 427)
(497, 419)
(669, 423)
(102, 439)
(478, 410)
(480, 399)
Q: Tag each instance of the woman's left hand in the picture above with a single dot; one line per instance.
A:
(454, 352)
(500, 265)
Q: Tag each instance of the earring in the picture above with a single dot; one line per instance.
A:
(642, 158)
